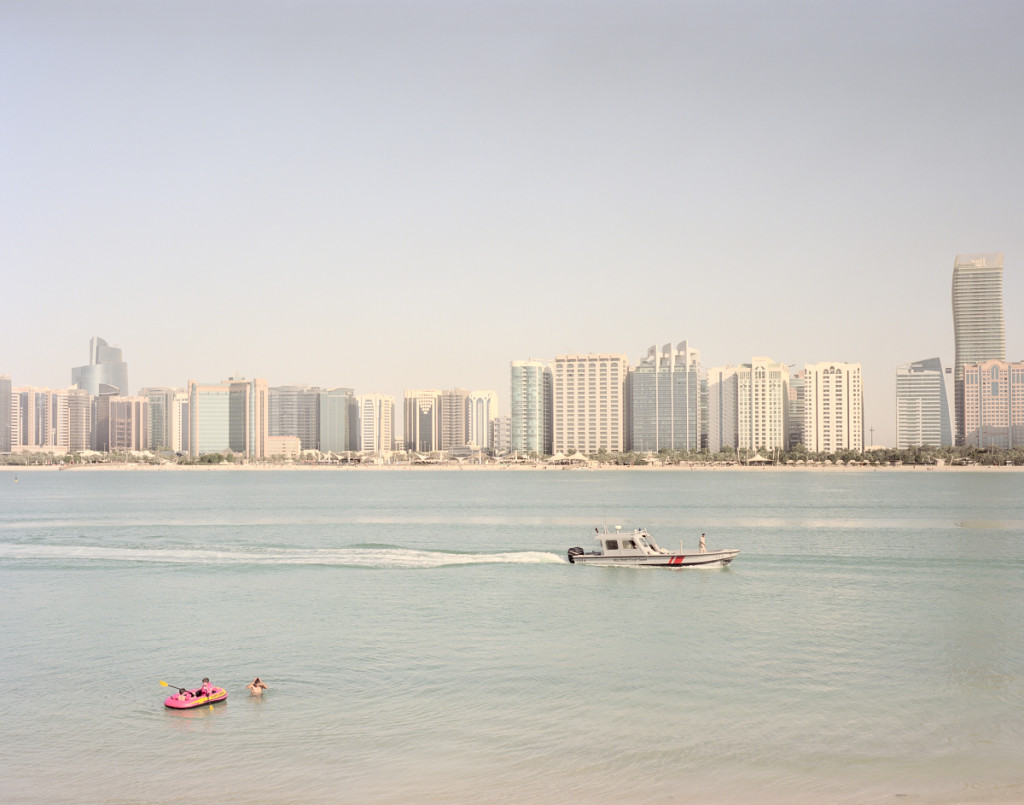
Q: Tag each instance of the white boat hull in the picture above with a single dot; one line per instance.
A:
(676, 560)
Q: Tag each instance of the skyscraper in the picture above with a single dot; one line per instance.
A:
(5, 413)
(209, 414)
(795, 432)
(376, 423)
(250, 401)
(833, 407)
(423, 420)
(339, 416)
(748, 405)
(165, 417)
(722, 422)
(588, 403)
(762, 404)
(129, 423)
(994, 404)
(106, 367)
(101, 417)
(79, 420)
(530, 398)
(295, 411)
(39, 418)
(454, 410)
(922, 409)
(978, 326)
(231, 415)
(481, 410)
(501, 435)
(664, 395)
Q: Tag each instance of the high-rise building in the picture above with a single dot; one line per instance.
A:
(922, 410)
(833, 407)
(423, 420)
(501, 435)
(79, 420)
(249, 404)
(762, 404)
(665, 400)
(588, 403)
(339, 420)
(454, 426)
(180, 422)
(978, 326)
(530, 400)
(722, 423)
(228, 416)
(39, 419)
(295, 411)
(994, 404)
(106, 367)
(376, 423)
(5, 413)
(165, 417)
(101, 417)
(209, 411)
(481, 410)
(748, 405)
(795, 434)
(129, 423)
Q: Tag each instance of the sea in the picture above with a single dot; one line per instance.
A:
(425, 640)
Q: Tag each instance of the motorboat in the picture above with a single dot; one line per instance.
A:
(638, 549)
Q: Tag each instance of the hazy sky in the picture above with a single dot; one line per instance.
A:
(390, 195)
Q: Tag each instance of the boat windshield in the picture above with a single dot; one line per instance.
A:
(650, 543)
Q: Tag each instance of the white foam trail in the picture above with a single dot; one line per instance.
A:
(341, 557)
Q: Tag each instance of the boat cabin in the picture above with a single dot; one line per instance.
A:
(637, 543)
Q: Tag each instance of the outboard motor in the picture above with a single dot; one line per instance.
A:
(573, 553)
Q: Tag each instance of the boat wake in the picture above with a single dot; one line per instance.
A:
(370, 557)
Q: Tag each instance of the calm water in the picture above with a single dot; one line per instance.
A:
(425, 640)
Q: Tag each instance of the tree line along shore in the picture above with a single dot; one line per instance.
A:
(926, 456)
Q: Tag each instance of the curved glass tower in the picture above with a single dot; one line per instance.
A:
(978, 326)
(106, 366)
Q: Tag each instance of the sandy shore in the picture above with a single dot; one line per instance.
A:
(129, 467)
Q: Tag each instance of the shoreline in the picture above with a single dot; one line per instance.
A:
(231, 467)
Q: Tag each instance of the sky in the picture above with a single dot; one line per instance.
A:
(397, 195)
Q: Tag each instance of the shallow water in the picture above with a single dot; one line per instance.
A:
(425, 640)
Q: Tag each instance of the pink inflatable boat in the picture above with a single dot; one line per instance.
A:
(193, 699)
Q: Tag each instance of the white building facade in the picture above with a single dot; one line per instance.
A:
(588, 403)
(748, 406)
(833, 407)
(376, 422)
(481, 411)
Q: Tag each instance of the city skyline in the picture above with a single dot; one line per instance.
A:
(394, 197)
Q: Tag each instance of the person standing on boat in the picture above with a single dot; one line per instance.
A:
(703, 546)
